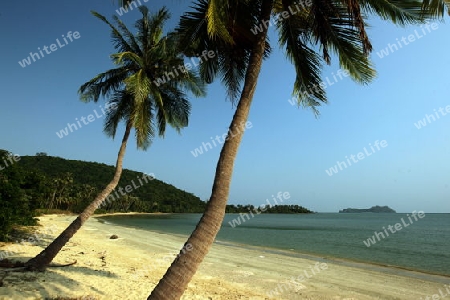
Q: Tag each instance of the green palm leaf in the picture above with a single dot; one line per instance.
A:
(132, 87)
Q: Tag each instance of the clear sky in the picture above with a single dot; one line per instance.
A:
(285, 150)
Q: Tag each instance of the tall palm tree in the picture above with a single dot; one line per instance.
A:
(309, 37)
(137, 97)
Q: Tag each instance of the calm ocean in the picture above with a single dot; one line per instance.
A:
(422, 245)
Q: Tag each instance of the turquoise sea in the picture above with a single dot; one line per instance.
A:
(422, 245)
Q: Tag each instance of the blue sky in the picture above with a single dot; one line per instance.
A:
(286, 149)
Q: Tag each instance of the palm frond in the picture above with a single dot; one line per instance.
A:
(334, 30)
(215, 15)
(400, 12)
(103, 84)
(120, 43)
(125, 58)
(357, 18)
(155, 24)
(132, 41)
(122, 103)
(143, 124)
(307, 63)
(138, 85)
(231, 59)
(141, 59)
(436, 8)
(176, 107)
(190, 80)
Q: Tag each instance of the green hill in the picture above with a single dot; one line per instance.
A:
(83, 177)
(30, 185)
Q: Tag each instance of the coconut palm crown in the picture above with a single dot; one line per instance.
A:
(148, 87)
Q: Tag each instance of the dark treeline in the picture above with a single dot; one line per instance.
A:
(276, 209)
(19, 192)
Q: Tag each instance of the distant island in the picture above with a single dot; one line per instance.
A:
(373, 209)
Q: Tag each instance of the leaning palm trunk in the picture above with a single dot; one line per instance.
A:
(180, 273)
(43, 259)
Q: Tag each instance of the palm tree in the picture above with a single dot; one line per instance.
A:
(137, 98)
(60, 193)
(309, 37)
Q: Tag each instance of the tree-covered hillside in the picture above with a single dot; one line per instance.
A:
(73, 178)
(41, 183)
(16, 202)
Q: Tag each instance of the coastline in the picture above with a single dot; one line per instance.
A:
(128, 214)
(130, 266)
(354, 263)
(391, 265)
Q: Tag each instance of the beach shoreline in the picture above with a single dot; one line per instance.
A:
(330, 258)
(129, 267)
(129, 214)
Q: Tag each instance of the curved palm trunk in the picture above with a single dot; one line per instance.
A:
(180, 273)
(43, 259)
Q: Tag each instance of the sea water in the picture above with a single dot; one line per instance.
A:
(421, 244)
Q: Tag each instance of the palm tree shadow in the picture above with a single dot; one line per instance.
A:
(46, 285)
(18, 283)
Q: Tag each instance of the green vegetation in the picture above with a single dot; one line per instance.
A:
(47, 184)
(16, 197)
(44, 184)
(373, 209)
(72, 184)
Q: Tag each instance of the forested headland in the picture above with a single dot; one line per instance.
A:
(32, 185)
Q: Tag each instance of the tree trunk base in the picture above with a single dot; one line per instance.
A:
(21, 266)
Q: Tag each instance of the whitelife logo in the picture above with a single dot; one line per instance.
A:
(12, 159)
(71, 127)
(356, 158)
(231, 133)
(129, 188)
(398, 226)
(430, 118)
(53, 47)
(342, 74)
(262, 208)
(299, 6)
(125, 9)
(391, 48)
(169, 75)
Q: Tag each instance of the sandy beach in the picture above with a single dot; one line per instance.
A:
(130, 266)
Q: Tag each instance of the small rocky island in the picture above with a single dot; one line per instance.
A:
(373, 209)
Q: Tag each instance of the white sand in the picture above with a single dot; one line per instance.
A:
(132, 265)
